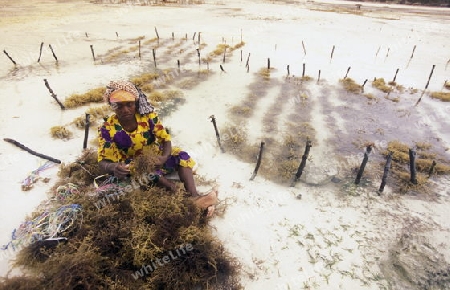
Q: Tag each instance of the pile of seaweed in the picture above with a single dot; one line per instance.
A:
(131, 236)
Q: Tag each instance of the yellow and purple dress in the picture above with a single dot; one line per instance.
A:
(118, 145)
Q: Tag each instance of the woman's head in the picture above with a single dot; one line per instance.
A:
(119, 91)
(125, 92)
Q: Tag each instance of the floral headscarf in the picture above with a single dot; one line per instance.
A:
(144, 106)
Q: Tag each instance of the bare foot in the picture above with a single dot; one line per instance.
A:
(211, 210)
(208, 201)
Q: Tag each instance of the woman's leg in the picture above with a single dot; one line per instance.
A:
(187, 177)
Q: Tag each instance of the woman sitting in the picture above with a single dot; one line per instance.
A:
(134, 127)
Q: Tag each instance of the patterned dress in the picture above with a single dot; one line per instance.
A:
(118, 145)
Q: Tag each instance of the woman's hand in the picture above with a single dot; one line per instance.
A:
(120, 170)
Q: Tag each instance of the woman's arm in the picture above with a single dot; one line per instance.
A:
(166, 151)
(119, 170)
(163, 138)
(106, 166)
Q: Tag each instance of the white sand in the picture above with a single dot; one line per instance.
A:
(328, 239)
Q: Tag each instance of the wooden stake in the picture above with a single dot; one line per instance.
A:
(248, 68)
(346, 74)
(426, 86)
(241, 55)
(303, 71)
(86, 34)
(54, 55)
(363, 164)
(241, 35)
(412, 166)
(173, 36)
(224, 53)
(412, 54)
(213, 120)
(318, 78)
(387, 166)
(139, 49)
(376, 54)
(268, 63)
(302, 163)
(364, 83)
(429, 77)
(198, 54)
(248, 59)
(431, 170)
(193, 37)
(387, 53)
(10, 58)
(362, 86)
(157, 34)
(420, 98)
(288, 72)
(178, 64)
(304, 49)
(54, 95)
(117, 34)
(92, 50)
(86, 130)
(395, 76)
(154, 56)
(23, 147)
(40, 52)
(332, 52)
(198, 38)
(222, 69)
(258, 161)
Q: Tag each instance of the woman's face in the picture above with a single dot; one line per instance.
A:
(125, 110)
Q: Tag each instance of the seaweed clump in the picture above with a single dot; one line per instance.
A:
(264, 73)
(128, 238)
(445, 97)
(78, 100)
(95, 114)
(60, 132)
(381, 85)
(220, 49)
(427, 163)
(351, 86)
(235, 140)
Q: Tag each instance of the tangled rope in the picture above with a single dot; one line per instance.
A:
(64, 191)
(47, 226)
(28, 182)
(110, 184)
